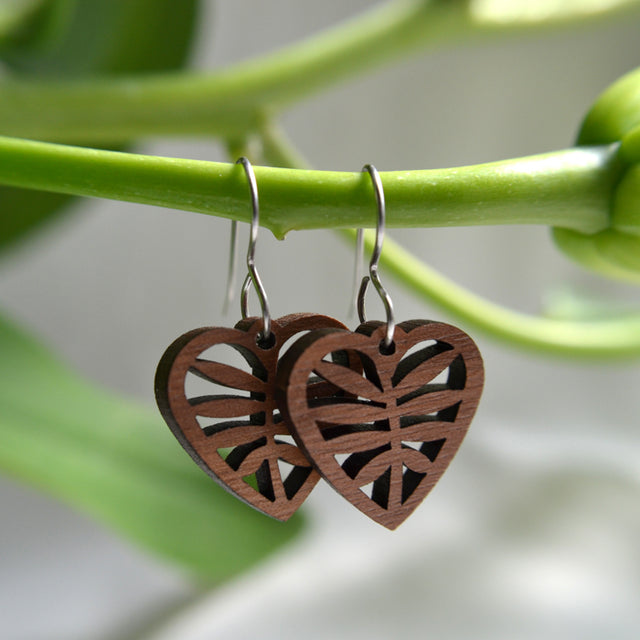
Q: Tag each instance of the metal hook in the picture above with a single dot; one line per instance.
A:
(375, 259)
(357, 270)
(231, 268)
(253, 277)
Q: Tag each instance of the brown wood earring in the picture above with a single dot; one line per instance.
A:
(409, 394)
(225, 416)
(385, 443)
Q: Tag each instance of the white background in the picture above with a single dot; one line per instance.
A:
(534, 530)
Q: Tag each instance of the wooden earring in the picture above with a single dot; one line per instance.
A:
(405, 408)
(226, 417)
(236, 434)
(389, 439)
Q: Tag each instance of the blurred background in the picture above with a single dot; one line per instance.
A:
(533, 532)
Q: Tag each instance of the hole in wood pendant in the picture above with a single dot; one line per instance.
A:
(215, 388)
(389, 438)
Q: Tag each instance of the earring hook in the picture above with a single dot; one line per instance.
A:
(357, 270)
(375, 259)
(253, 277)
(231, 267)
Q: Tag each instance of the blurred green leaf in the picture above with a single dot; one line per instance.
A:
(512, 13)
(73, 38)
(613, 119)
(608, 252)
(17, 18)
(22, 210)
(119, 463)
(615, 113)
(90, 37)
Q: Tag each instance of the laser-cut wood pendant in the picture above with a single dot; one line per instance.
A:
(238, 438)
(385, 443)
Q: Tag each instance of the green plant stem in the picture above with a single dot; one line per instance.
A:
(570, 188)
(226, 103)
(602, 338)
(235, 101)
(229, 102)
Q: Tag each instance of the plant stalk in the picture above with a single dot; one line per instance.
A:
(236, 101)
(570, 188)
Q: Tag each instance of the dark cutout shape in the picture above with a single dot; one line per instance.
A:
(381, 487)
(445, 415)
(264, 480)
(295, 480)
(266, 342)
(356, 462)
(386, 349)
(421, 391)
(331, 431)
(410, 482)
(214, 429)
(240, 453)
(433, 448)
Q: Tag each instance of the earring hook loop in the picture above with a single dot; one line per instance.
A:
(253, 277)
(375, 260)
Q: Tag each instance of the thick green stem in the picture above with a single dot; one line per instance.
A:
(570, 188)
(236, 100)
(604, 338)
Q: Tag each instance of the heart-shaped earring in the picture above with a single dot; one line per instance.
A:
(236, 434)
(406, 405)
(224, 416)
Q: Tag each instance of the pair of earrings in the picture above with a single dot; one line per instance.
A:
(379, 412)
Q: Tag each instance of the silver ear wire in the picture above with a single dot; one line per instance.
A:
(253, 277)
(231, 268)
(375, 259)
(357, 270)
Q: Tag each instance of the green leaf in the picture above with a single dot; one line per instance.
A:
(607, 252)
(74, 38)
(118, 462)
(24, 210)
(625, 212)
(615, 113)
(94, 37)
(545, 13)
(17, 18)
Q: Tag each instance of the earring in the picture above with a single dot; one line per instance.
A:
(405, 409)
(224, 416)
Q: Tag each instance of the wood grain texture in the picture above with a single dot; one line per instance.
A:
(239, 438)
(385, 443)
